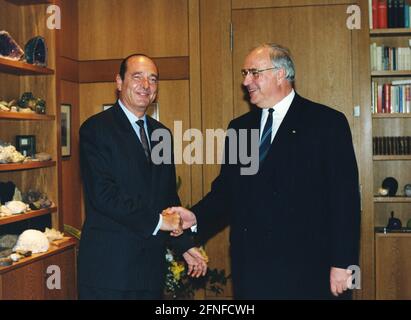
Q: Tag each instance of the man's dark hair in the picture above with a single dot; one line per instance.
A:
(123, 65)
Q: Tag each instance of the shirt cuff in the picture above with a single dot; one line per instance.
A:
(160, 222)
(194, 228)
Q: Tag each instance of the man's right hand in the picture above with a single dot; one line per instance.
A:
(172, 222)
(189, 218)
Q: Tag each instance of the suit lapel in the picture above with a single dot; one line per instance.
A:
(132, 143)
(285, 139)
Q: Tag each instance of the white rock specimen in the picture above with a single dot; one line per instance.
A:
(17, 207)
(32, 240)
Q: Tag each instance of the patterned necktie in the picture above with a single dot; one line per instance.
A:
(265, 141)
(144, 140)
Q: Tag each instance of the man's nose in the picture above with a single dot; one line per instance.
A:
(247, 80)
(145, 83)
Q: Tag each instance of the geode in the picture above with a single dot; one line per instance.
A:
(35, 51)
(9, 48)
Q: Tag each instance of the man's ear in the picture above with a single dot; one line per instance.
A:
(280, 75)
(119, 82)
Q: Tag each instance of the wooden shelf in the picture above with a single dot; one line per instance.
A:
(25, 116)
(391, 157)
(26, 2)
(25, 216)
(22, 68)
(26, 166)
(400, 199)
(396, 73)
(393, 234)
(55, 247)
(391, 115)
(390, 32)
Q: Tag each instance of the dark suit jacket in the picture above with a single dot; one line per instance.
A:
(299, 215)
(123, 199)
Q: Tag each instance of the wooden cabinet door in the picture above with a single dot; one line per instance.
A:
(25, 283)
(60, 276)
(393, 265)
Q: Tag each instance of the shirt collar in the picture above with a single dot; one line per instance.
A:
(282, 107)
(131, 116)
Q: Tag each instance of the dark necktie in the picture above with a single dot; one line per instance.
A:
(265, 141)
(144, 140)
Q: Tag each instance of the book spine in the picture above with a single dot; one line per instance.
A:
(382, 14)
(374, 17)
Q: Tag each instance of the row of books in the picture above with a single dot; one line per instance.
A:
(391, 145)
(389, 14)
(390, 58)
(393, 97)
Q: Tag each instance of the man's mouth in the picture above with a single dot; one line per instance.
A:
(251, 90)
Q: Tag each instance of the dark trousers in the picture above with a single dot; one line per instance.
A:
(91, 293)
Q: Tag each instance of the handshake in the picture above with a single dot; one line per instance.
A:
(177, 219)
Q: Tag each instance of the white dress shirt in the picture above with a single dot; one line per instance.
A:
(280, 110)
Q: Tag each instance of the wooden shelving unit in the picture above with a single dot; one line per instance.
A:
(389, 73)
(26, 116)
(21, 68)
(27, 215)
(391, 115)
(27, 2)
(55, 246)
(26, 166)
(392, 199)
(390, 32)
(390, 248)
(391, 158)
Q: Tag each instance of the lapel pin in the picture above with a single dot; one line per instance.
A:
(293, 131)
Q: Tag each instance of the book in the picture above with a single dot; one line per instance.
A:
(382, 14)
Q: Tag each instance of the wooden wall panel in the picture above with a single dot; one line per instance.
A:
(69, 43)
(173, 106)
(195, 92)
(245, 4)
(71, 180)
(171, 68)
(112, 29)
(393, 262)
(217, 102)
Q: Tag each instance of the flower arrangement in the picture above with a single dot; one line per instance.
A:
(181, 286)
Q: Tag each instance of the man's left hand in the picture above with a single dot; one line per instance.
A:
(339, 280)
(197, 263)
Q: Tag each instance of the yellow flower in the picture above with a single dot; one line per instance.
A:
(177, 269)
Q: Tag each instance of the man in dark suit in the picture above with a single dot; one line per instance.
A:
(123, 243)
(294, 224)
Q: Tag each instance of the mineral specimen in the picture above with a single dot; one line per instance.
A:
(32, 240)
(9, 48)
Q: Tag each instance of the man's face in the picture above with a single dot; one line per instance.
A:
(264, 89)
(139, 87)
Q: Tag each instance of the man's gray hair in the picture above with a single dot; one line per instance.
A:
(281, 58)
